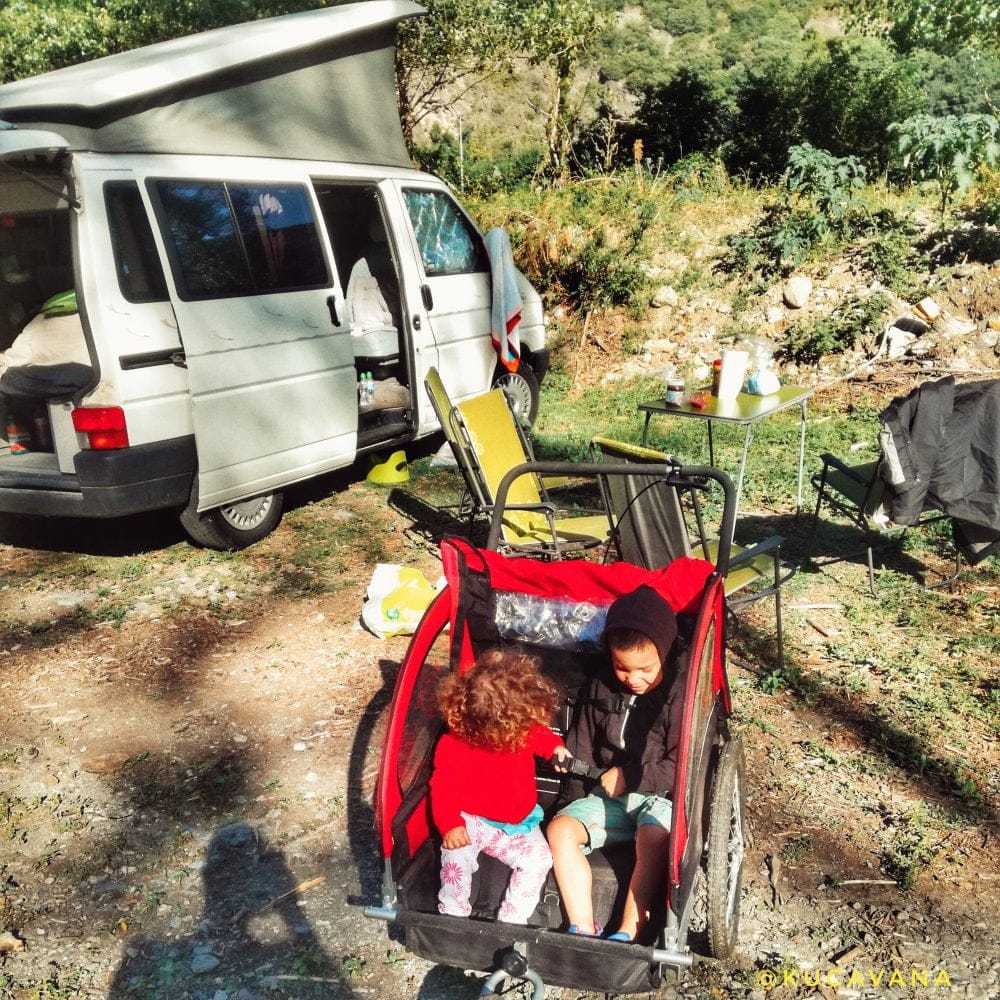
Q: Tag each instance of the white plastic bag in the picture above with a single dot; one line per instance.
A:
(763, 378)
(398, 596)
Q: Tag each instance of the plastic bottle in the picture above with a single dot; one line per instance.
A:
(363, 398)
(18, 436)
(370, 388)
(716, 375)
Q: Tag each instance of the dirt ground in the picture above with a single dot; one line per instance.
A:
(186, 798)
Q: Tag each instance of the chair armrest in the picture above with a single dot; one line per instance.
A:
(543, 508)
(843, 467)
(770, 544)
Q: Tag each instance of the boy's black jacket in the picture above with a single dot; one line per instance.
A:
(638, 733)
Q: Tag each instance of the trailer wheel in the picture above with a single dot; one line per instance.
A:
(726, 850)
(521, 389)
(232, 526)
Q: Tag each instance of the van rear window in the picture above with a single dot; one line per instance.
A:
(226, 240)
(449, 243)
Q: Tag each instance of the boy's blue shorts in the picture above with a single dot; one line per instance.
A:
(616, 821)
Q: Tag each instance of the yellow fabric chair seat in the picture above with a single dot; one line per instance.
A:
(488, 443)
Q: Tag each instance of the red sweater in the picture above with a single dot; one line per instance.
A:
(494, 784)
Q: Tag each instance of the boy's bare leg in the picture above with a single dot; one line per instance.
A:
(567, 837)
(648, 878)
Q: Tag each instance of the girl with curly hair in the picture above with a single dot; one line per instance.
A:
(483, 795)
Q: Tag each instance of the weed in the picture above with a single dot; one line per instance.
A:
(807, 342)
(796, 848)
(353, 965)
(908, 851)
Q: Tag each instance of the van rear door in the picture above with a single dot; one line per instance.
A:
(260, 313)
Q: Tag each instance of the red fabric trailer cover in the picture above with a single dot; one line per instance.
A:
(681, 584)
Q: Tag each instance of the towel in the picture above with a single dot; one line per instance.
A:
(505, 312)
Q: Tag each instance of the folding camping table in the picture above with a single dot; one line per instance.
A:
(745, 410)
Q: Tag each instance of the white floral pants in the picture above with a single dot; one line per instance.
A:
(526, 854)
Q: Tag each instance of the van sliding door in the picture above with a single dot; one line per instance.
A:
(268, 354)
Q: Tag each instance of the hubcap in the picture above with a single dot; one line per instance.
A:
(249, 513)
(517, 391)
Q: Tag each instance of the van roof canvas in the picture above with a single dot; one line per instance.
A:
(313, 85)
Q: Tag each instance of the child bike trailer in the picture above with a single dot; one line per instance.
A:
(556, 610)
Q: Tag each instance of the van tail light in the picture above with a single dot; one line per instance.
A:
(104, 426)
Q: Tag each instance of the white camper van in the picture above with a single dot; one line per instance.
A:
(220, 275)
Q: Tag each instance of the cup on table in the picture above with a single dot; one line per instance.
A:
(732, 374)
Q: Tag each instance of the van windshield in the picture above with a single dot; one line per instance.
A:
(449, 244)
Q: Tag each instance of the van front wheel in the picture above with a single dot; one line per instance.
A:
(521, 389)
(232, 526)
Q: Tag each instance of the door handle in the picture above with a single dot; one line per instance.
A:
(331, 304)
(416, 321)
(428, 299)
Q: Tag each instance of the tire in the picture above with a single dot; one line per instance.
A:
(232, 526)
(726, 851)
(521, 389)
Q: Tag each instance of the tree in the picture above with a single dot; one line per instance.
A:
(938, 25)
(852, 91)
(556, 35)
(440, 57)
(690, 114)
(949, 150)
(41, 35)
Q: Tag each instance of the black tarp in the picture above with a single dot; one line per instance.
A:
(947, 441)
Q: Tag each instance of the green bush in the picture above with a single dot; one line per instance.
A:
(808, 341)
(891, 254)
(585, 243)
(819, 205)
(503, 170)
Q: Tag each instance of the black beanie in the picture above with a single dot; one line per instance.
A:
(645, 611)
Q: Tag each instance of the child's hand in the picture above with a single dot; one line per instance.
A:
(613, 782)
(455, 838)
(559, 758)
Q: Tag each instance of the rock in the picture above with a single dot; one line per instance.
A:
(236, 836)
(797, 290)
(659, 345)
(898, 342)
(203, 963)
(664, 296)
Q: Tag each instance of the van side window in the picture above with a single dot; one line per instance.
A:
(449, 243)
(140, 274)
(228, 240)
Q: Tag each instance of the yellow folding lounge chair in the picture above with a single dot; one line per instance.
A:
(473, 501)
(652, 528)
(487, 441)
(531, 523)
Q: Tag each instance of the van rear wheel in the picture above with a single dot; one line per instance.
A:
(521, 389)
(232, 526)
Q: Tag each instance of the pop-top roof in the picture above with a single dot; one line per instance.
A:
(317, 85)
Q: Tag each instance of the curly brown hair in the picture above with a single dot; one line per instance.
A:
(495, 703)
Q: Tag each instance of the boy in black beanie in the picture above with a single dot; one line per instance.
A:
(628, 725)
